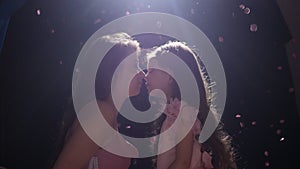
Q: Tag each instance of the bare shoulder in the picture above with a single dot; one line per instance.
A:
(108, 111)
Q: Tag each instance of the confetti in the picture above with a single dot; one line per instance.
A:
(221, 39)
(238, 116)
(242, 124)
(279, 67)
(242, 6)
(266, 153)
(247, 11)
(291, 90)
(38, 12)
(282, 120)
(253, 27)
(97, 21)
(278, 131)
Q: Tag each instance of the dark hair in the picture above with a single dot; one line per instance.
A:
(124, 46)
(219, 144)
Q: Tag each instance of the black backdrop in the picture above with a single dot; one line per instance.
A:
(39, 53)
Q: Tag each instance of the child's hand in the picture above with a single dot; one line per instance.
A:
(172, 109)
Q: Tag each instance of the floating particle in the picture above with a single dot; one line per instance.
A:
(278, 131)
(128, 127)
(77, 70)
(247, 11)
(281, 139)
(291, 90)
(38, 12)
(253, 123)
(97, 21)
(253, 27)
(294, 55)
(242, 124)
(279, 67)
(242, 6)
(267, 164)
(221, 39)
(52, 31)
(282, 120)
(60, 62)
(238, 116)
(149, 6)
(127, 13)
(266, 153)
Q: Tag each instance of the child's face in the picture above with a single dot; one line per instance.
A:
(157, 79)
(126, 69)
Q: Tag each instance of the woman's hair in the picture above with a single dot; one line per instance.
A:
(219, 143)
(124, 46)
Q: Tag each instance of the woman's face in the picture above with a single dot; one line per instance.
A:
(156, 78)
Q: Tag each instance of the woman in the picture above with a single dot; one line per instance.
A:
(79, 150)
(188, 153)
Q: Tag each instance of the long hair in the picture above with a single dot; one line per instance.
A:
(219, 143)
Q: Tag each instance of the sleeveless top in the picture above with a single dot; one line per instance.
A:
(200, 160)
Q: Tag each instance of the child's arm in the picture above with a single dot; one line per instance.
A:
(77, 151)
(184, 152)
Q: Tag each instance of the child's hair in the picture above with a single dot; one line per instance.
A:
(124, 45)
(219, 143)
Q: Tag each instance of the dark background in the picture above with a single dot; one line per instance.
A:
(39, 53)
